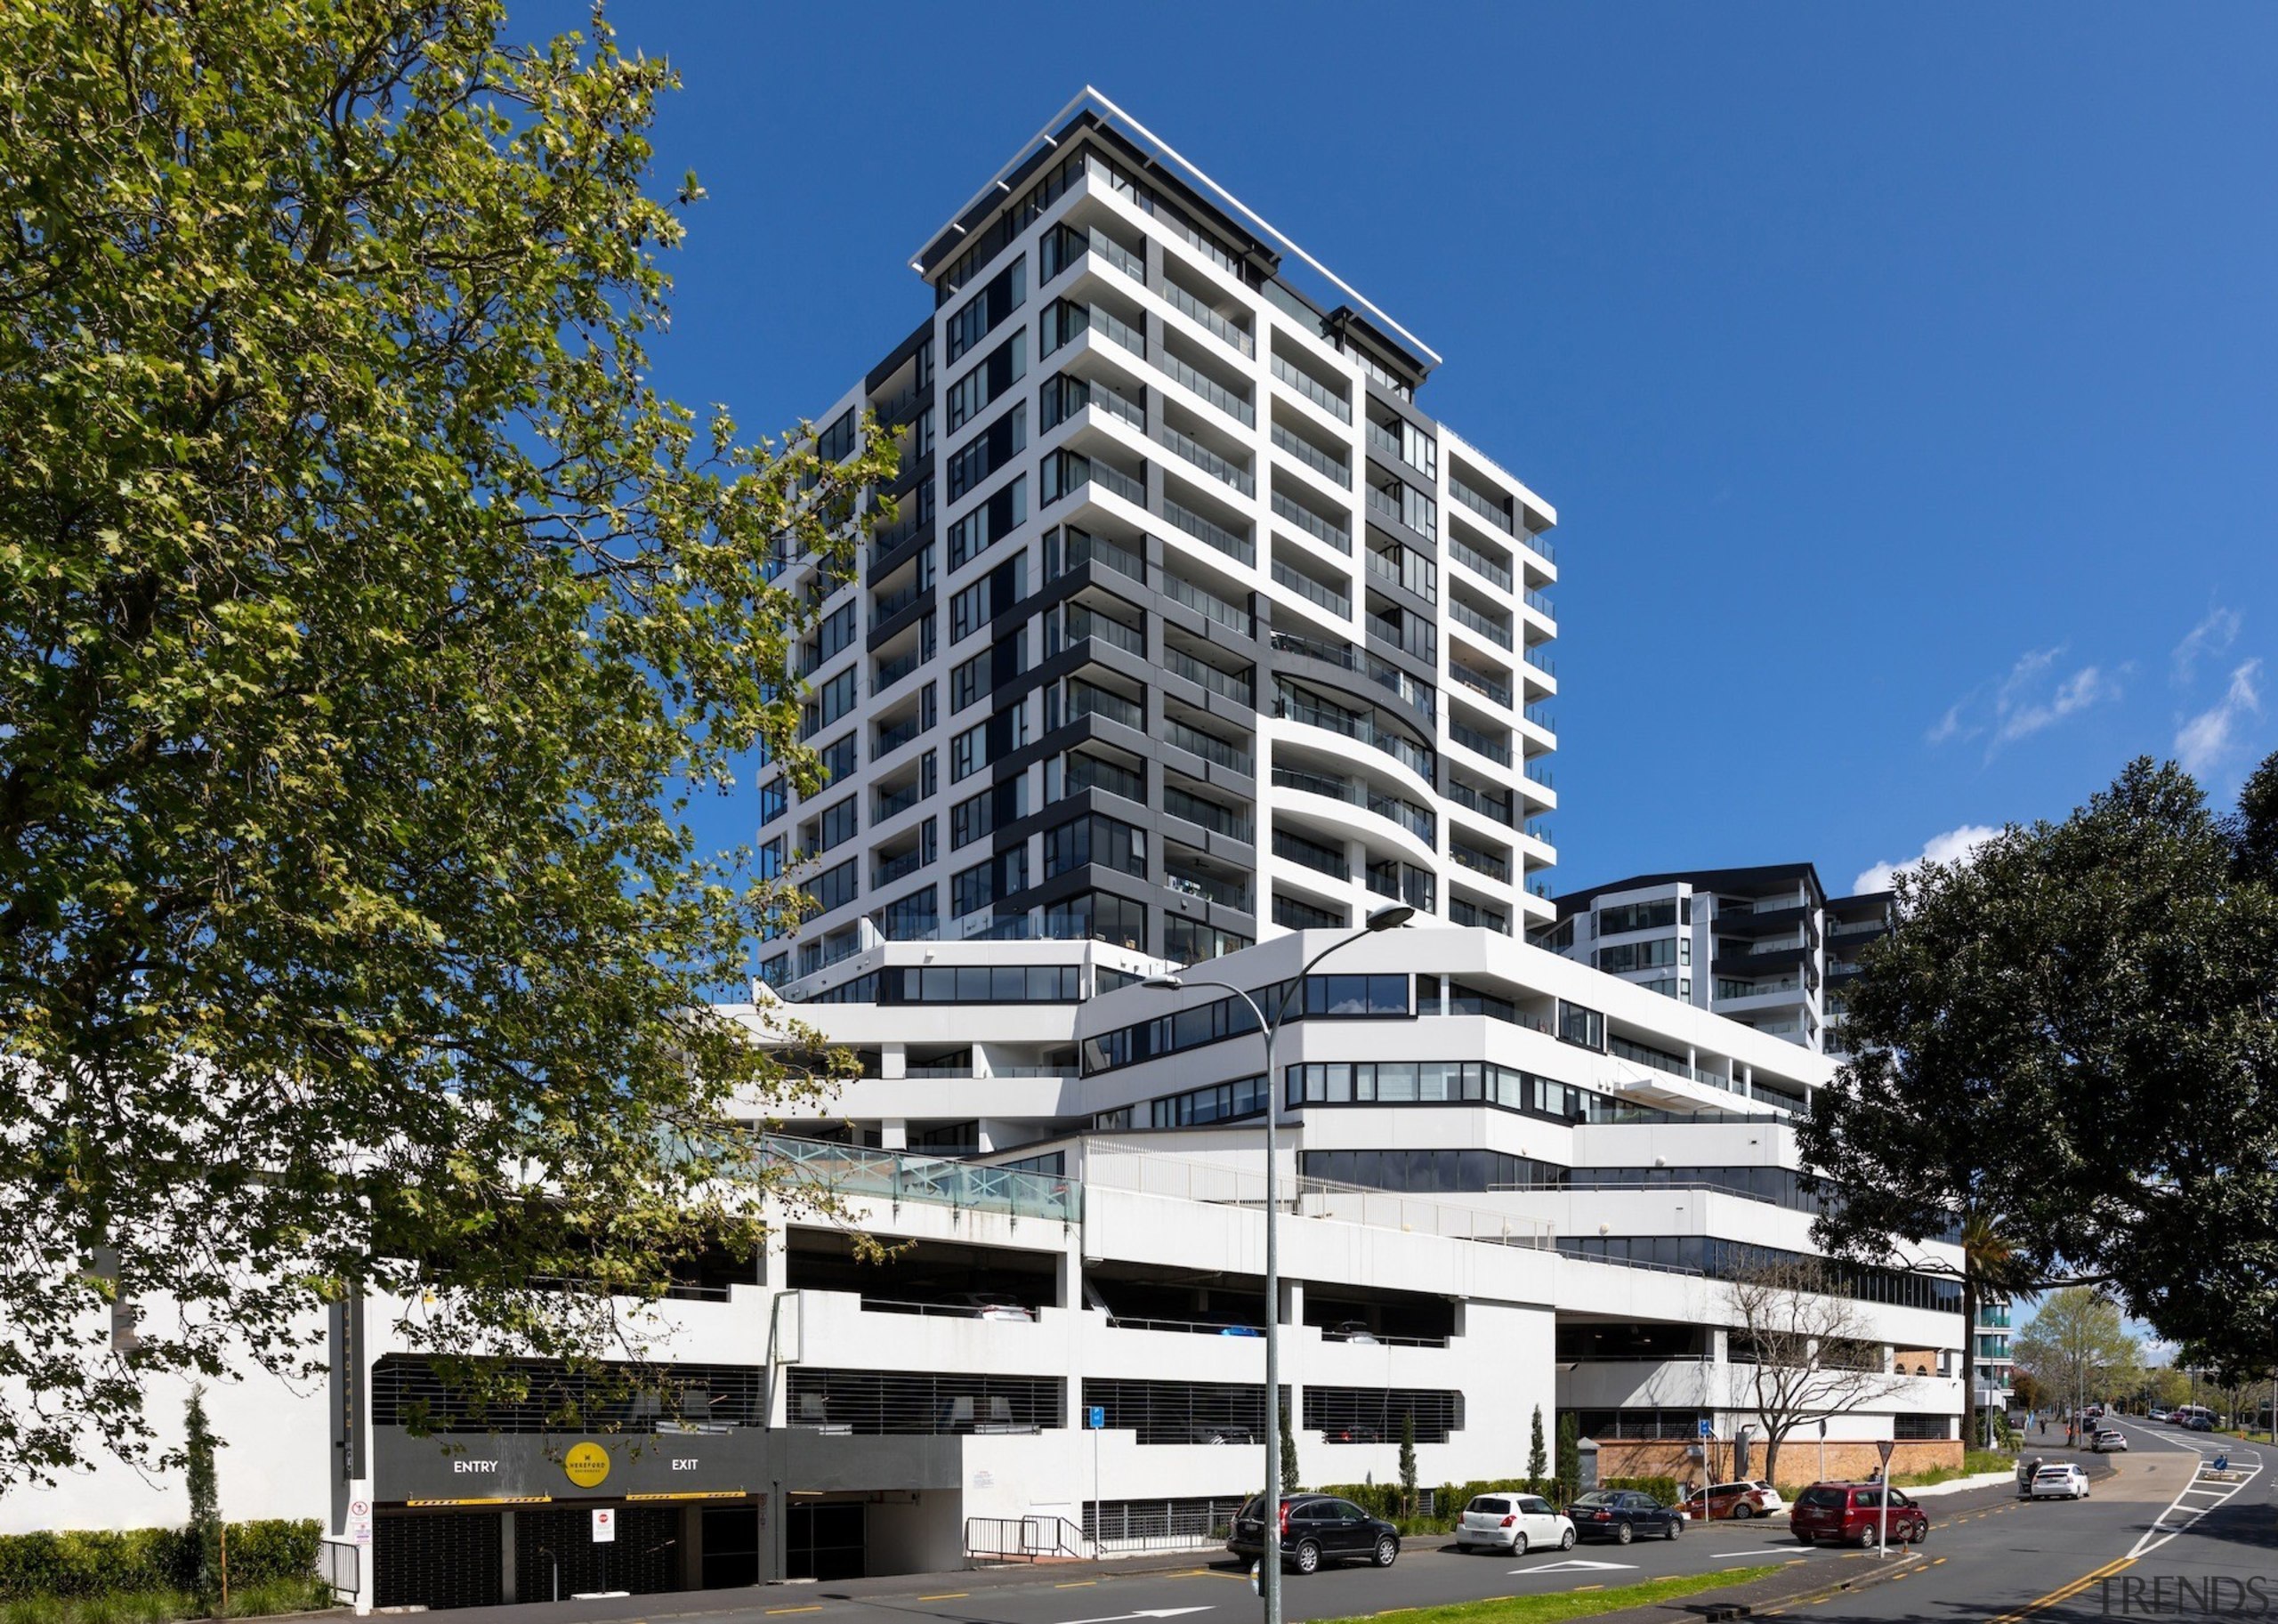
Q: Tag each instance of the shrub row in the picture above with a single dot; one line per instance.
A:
(90, 1562)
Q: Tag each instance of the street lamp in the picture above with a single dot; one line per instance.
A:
(1389, 918)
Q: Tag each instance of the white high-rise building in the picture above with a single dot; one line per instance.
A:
(1191, 644)
(1765, 945)
(1191, 627)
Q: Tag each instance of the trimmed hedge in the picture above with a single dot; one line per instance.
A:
(1662, 1488)
(83, 1562)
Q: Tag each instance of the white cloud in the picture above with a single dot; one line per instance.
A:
(2033, 696)
(1954, 845)
(2020, 709)
(2208, 739)
(2210, 639)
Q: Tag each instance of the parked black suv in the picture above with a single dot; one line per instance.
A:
(1315, 1529)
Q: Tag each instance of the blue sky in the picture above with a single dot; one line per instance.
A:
(1906, 379)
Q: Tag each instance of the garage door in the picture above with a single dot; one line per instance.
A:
(823, 1540)
(555, 1555)
(449, 1559)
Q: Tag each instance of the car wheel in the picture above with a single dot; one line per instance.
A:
(1805, 1539)
(1867, 1537)
(1388, 1551)
(1623, 1534)
(1566, 1540)
(1677, 1527)
(1518, 1545)
(1742, 1512)
(1921, 1532)
(1308, 1557)
(1462, 1549)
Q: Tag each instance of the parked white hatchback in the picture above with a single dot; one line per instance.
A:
(1512, 1523)
(2064, 1481)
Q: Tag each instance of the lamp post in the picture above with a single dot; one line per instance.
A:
(1389, 918)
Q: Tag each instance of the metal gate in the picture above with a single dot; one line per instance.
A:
(449, 1559)
(555, 1556)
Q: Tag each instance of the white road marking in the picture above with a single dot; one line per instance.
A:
(1573, 1565)
(1145, 1613)
(2162, 1530)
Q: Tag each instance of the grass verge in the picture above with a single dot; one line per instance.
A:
(165, 1606)
(1569, 1604)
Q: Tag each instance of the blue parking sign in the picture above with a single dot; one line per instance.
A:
(1704, 1429)
(1096, 1418)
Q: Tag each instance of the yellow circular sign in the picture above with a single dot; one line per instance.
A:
(586, 1465)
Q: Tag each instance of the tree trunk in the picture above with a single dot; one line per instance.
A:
(1968, 1357)
(1771, 1457)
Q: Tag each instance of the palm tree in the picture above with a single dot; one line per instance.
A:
(1991, 1270)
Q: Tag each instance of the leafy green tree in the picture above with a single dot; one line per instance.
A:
(1289, 1478)
(366, 623)
(2077, 1349)
(205, 1502)
(1538, 1462)
(1569, 1453)
(1407, 1463)
(2074, 1033)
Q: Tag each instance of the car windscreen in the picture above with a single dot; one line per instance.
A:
(1822, 1500)
(1596, 1497)
(1490, 1507)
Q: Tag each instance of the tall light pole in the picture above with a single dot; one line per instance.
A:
(1269, 1572)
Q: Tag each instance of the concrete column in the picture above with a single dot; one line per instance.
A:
(893, 1132)
(1292, 1303)
(893, 1060)
(1071, 1278)
(506, 1556)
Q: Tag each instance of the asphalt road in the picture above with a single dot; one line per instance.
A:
(2117, 1554)
(1990, 1559)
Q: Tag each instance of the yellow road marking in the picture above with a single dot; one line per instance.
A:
(816, 1607)
(1080, 1583)
(2066, 1593)
(946, 1596)
(1578, 1589)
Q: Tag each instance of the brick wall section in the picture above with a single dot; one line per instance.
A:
(1799, 1459)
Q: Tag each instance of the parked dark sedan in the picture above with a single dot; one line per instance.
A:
(1316, 1529)
(1623, 1515)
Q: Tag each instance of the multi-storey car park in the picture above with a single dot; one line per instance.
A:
(1190, 640)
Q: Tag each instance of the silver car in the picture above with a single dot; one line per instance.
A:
(2062, 1481)
(2110, 1443)
(1513, 1523)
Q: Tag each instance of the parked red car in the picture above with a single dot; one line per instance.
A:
(1848, 1514)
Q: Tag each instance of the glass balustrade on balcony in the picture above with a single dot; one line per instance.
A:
(1084, 548)
(1195, 311)
(1225, 894)
(1225, 399)
(1083, 623)
(1306, 855)
(1335, 469)
(1473, 558)
(1327, 597)
(1297, 708)
(1417, 695)
(1312, 524)
(1208, 814)
(1482, 862)
(1233, 686)
(1537, 655)
(1493, 513)
(1084, 699)
(1209, 534)
(1320, 394)
(1487, 744)
(1407, 814)
(1232, 617)
(1464, 615)
(1203, 458)
(1479, 682)
(1233, 757)
(1495, 806)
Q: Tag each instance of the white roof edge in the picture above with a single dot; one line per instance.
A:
(1044, 137)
